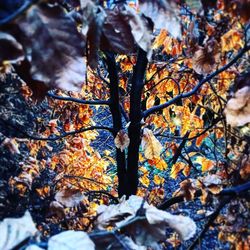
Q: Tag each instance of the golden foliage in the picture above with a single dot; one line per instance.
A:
(150, 145)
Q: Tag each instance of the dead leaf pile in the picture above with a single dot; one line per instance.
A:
(146, 230)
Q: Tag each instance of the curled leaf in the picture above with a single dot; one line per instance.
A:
(164, 15)
(205, 58)
(54, 46)
(148, 231)
(123, 28)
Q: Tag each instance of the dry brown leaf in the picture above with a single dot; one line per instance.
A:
(123, 28)
(237, 110)
(122, 140)
(146, 232)
(56, 208)
(11, 144)
(54, 46)
(245, 169)
(187, 189)
(164, 15)
(150, 145)
(205, 58)
(69, 197)
(238, 8)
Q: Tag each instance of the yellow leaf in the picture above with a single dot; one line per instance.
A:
(150, 102)
(176, 168)
(231, 40)
(159, 40)
(158, 180)
(150, 145)
(161, 164)
(145, 180)
(205, 163)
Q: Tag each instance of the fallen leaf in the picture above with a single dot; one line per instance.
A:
(237, 110)
(69, 197)
(148, 231)
(122, 28)
(205, 58)
(15, 230)
(71, 240)
(55, 47)
(122, 140)
(150, 145)
(164, 15)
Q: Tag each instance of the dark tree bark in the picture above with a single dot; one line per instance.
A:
(135, 116)
(117, 121)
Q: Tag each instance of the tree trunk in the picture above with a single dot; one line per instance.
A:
(117, 121)
(135, 116)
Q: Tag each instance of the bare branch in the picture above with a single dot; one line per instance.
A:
(231, 191)
(27, 4)
(76, 100)
(177, 98)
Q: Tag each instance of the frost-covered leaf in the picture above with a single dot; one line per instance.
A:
(184, 225)
(53, 47)
(109, 215)
(164, 15)
(71, 240)
(10, 49)
(212, 179)
(122, 140)
(15, 230)
(33, 247)
(150, 145)
(69, 197)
